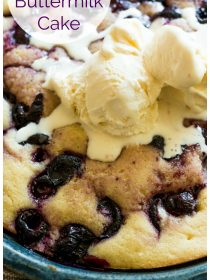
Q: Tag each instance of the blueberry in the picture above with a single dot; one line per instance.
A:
(73, 242)
(120, 5)
(36, 109)
(19, 114)
(158, 142)
(8, 96)
(37, 139)
(201, 13)
(42, 187)
(30, 226)
(169, 12)
(39, 155)
(111, 210)
(63, 168)
(57, 173)
(153, 213)
(20, 36)
(180, 204)
(23, 114)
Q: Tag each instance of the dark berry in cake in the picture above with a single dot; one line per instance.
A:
(111, 210)
(153, 213)
(20, 36)
(23, 114)
(169, 13)
(63, 168)
(36, 109)
(39, 155)
(30, 226)
(158, 142)
(42, 187)
(120, 5)
(74, 242)
(19, 115)
(8, 96)
(37, 139)
(180, 204)
(201, 12)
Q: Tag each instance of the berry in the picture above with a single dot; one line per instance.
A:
(42, 187)
(111, 210)
(158, 142)
(23, 114)
(169, 12)
(39, 155)
(120, 5)
(57, 173)
(201, 13)
(36, 109)
(180, 204)
(8, 96)
(153, 213)
(30, 226)
(37, 139)
(63, 168)
(19, 114)
(20, 36)
(74, 242)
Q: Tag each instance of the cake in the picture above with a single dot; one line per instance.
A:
(105, 153)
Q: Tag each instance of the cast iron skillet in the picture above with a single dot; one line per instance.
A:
(34, 266)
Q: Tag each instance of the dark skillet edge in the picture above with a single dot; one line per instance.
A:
(36, 267)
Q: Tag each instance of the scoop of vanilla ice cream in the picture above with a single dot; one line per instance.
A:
(114, 92)
(120, 97)
(174, 58)
(196, 97)
(127, 36)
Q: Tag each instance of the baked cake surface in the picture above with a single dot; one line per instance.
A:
(140, 210)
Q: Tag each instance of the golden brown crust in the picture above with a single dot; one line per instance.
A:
(22, 55)
(25, 83)
(70, 138)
